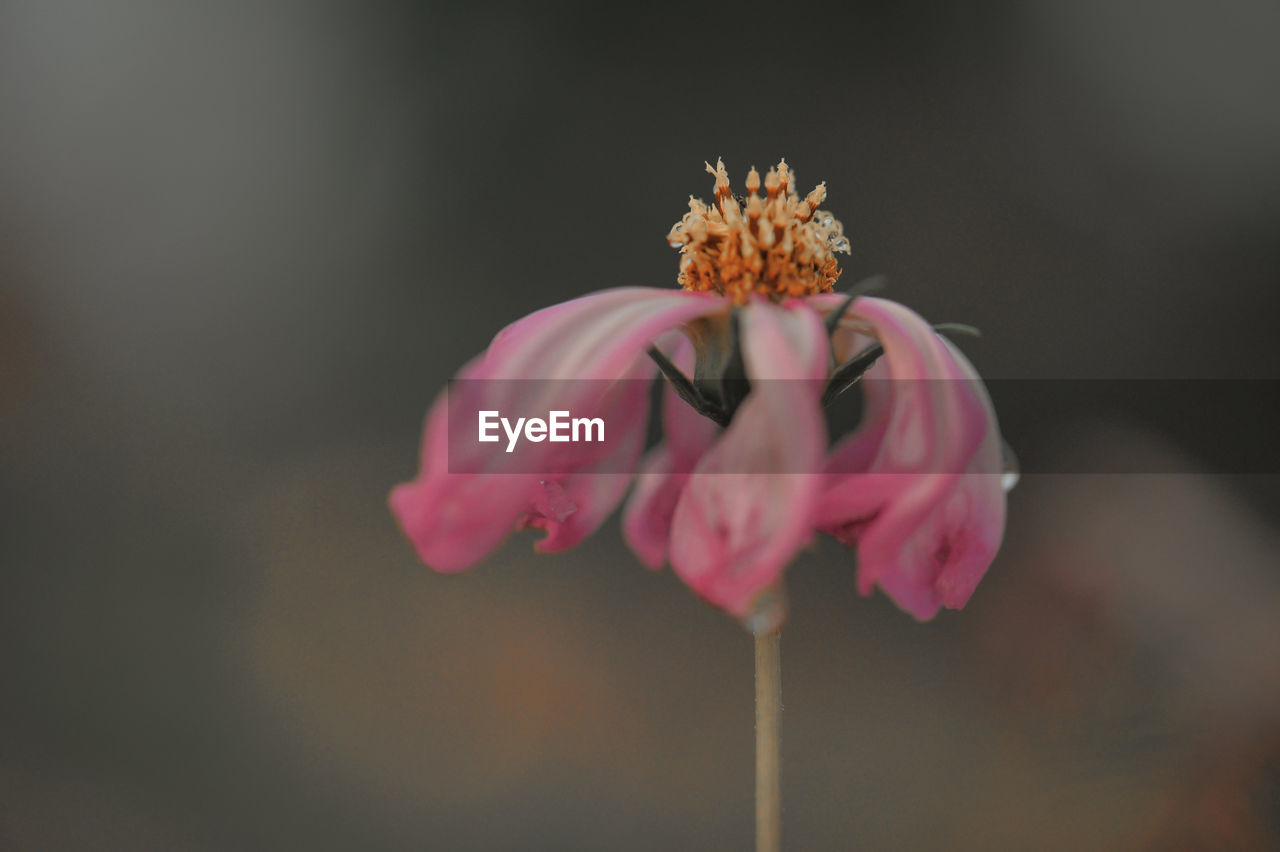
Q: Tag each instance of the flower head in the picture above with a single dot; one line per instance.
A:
(752, 349)
(777, 246)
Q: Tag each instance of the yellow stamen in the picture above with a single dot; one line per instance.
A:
(778, 246)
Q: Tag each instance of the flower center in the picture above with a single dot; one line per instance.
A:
(780, 245)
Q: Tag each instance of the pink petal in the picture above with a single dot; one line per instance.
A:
(592, 337)
(593, 492)
(646, 523)
(749, 504)
(456, 519)
(918, 488)
(941, 563)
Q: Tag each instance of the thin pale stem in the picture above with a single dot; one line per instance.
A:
(768, 742)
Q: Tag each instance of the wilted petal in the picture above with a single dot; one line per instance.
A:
(585, 498)
(646, 523)
(749, 504)
(592, 337)
(918, 486)
(946, 556)
(455, 519)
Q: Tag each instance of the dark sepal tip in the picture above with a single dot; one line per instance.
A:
(957, 328)
(862, 288)
(686, 389)
(848, 373)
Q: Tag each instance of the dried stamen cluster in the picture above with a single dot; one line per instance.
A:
(780, 245)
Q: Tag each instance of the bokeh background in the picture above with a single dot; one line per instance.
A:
(242, 245)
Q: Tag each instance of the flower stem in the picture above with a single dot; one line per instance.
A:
(768, 742)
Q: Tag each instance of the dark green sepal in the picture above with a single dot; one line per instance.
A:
(687, 390)
(731, 386)
(862, 288)
(958, 328)
(847, 374)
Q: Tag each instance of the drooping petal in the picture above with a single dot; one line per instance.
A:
(646, 522)
(942, 561)
(917, 488)
(592, 337)
(591, 493)
(749, 504)
(454, 519)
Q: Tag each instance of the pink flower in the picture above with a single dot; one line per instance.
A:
(744, 477)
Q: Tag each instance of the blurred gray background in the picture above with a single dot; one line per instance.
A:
(242, 245)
